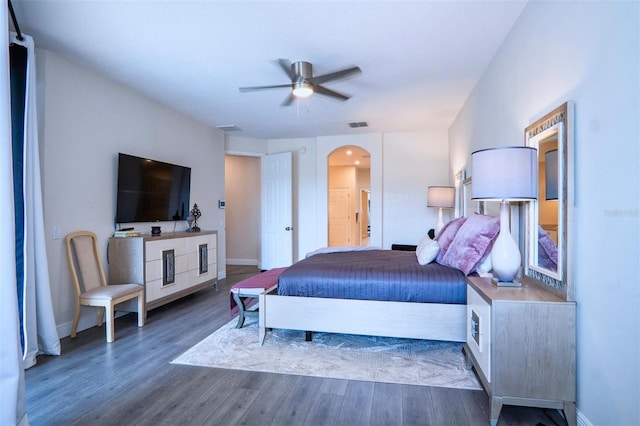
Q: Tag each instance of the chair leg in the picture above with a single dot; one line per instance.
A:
(76, 318)
(110, 323)
(142, 312)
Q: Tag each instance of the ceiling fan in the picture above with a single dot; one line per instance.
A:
(304, 84)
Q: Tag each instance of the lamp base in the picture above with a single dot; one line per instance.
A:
(440, 223)
(505, 255)
(515, 283)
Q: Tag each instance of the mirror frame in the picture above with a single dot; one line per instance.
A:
(560, 281)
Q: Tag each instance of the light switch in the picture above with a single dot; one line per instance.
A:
(56, 233)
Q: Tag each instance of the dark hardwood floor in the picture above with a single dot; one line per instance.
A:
(131, 382)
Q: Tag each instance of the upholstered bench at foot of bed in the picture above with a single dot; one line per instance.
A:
(244, 295)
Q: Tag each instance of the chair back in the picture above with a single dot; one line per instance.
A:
(83, 258)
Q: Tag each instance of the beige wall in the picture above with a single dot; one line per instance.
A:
(242, 189)
(85, 121)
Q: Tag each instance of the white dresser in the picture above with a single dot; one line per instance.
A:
(170, 265)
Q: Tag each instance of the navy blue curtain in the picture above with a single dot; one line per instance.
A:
(18, 76)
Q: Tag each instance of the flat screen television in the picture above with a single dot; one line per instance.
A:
(150, 191)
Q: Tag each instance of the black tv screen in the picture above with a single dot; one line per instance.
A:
(150, 190)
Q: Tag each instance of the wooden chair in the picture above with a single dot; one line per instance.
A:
(90, 286)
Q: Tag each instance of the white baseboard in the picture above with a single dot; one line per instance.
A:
(243, 262)
(87, 320)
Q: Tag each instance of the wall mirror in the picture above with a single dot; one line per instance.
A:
(547, 220)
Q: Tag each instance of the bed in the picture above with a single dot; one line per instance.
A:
(388, 293)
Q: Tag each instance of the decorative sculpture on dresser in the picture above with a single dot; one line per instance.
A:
(195, 213)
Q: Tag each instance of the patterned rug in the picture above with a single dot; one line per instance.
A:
(340, 356)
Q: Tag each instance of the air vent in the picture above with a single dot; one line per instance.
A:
(228, 128)
(358, 124)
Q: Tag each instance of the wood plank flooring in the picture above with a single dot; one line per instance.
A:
(130, 382)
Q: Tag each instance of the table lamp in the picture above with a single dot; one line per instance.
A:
(441, 197)
(505, 174)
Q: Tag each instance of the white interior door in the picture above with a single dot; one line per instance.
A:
(339, 220)
(276, 223)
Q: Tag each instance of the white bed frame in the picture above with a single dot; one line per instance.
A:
(432, 321)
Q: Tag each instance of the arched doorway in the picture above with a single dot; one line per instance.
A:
(348, 192)
(371, 142)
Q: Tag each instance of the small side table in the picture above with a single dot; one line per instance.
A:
(246, 308)
(244, 294)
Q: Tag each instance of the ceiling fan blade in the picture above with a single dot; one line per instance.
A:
(285, 64)
(288, 100)
(328, 92)
(253, 88)
(349, 72)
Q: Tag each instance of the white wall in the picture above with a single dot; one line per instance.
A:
(242, 191)
(587, 52)
(86, 120)
(402, 169)
(413, 162)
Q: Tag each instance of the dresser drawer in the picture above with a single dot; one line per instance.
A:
(479, 330)
(154, 249)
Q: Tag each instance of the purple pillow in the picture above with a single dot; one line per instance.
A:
(447, 234)
(472, 243)
(547, 251)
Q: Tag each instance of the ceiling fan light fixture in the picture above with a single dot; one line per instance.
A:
(302, 89)
(304, 83)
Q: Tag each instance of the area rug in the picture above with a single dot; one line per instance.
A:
(330, 355)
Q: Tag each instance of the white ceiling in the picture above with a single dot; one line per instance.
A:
(419, 59)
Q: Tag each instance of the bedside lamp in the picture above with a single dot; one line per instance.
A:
(441, 197)
(505, 174)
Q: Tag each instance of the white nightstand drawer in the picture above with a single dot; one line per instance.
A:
(479, 330)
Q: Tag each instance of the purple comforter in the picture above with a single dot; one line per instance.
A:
(373, 275)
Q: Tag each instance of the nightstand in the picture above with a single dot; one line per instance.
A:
(522, 344)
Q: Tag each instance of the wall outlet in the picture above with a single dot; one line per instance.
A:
(56, 233)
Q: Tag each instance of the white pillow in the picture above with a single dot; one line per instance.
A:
(427, 250)
(485, 266)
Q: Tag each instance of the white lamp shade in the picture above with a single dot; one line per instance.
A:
(441, 196)
(505, 173)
